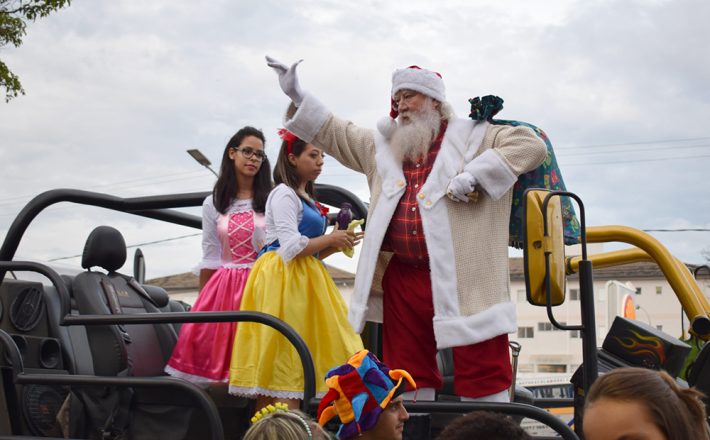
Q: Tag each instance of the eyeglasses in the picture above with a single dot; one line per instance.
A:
(248, 153)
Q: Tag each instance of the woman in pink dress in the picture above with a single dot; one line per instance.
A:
(233, 231)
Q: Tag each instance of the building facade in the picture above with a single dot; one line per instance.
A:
(546, 349)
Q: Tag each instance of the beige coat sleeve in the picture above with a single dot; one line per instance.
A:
(352, 146)
(519, 146)
(505, 153)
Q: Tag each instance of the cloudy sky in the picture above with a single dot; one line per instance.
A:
(118, 90)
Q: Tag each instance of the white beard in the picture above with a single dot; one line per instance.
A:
(412, 141)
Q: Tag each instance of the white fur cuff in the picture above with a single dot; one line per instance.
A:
(307, 119)
(492, 173)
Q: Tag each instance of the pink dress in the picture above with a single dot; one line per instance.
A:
(229, 243)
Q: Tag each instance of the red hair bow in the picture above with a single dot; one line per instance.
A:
(323, 209)
(289, 137)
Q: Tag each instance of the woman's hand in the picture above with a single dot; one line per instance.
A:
(342, 238)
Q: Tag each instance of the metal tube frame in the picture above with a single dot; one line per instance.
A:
(149, 318)
(587, 328)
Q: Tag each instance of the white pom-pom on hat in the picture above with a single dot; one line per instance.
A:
(386, 127)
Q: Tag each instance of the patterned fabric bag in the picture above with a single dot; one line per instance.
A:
(546, 176)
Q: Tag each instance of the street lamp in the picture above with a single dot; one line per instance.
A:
(201, 159)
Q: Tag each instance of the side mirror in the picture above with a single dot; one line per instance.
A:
(543, 248)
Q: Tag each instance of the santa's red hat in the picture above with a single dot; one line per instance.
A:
(415, 78)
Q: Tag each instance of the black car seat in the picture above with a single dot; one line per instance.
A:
(124, 350)
(141, 349)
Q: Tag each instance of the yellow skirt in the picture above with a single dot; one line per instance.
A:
(302, 294)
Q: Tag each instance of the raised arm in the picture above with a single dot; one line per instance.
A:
(311, 121)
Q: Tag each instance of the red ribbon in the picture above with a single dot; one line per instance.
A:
(323, 209)
(289, 137)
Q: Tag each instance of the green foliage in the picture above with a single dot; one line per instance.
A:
(14, 15)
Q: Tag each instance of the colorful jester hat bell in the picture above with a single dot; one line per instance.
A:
(358, 392)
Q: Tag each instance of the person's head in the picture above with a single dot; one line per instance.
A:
(419, 105)
(365, 396)
(244, 158)
(278, 422)
(484, 425)
(642, 403)
(298, 163)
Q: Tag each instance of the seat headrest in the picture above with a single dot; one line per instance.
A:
(158, 295)
(106, 248)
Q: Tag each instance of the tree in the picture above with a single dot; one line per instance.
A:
(14, 15)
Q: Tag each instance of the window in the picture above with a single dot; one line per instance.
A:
(552, 391)
(551, 368)
(526, 368)
(574, 294)
(638, 291)
(526, 332)
(659, 290)
(548, 327)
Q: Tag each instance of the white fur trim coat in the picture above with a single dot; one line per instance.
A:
(467, 242)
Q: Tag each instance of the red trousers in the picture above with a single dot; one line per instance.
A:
(480, 369)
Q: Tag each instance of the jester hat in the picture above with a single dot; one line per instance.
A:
(358, 392)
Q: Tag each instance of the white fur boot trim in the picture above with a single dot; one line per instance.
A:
(501, 397)
(421, 394)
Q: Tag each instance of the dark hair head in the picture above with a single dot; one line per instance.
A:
(484, 425)
(227, 186)
(285, 172)
(678, 412)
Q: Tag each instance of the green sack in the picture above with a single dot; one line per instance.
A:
(546, 176)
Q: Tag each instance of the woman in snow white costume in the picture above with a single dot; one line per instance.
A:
(289, 281)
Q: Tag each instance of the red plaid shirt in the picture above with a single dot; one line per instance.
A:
(405, 235)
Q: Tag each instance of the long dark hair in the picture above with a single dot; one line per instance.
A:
(286, 173)
(226, 187)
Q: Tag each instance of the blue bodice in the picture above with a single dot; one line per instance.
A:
(312, 225)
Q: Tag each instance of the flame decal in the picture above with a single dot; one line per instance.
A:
(640, 345)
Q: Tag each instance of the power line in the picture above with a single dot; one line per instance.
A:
(677, 230)
(147, 243)
(165, 240)
(638, 150)
(149, 181)
(615, 162)
(635, 143)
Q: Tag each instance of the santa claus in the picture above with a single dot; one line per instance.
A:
(434, 265)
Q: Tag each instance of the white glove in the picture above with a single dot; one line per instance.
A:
(460, 186)
(287, 79)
